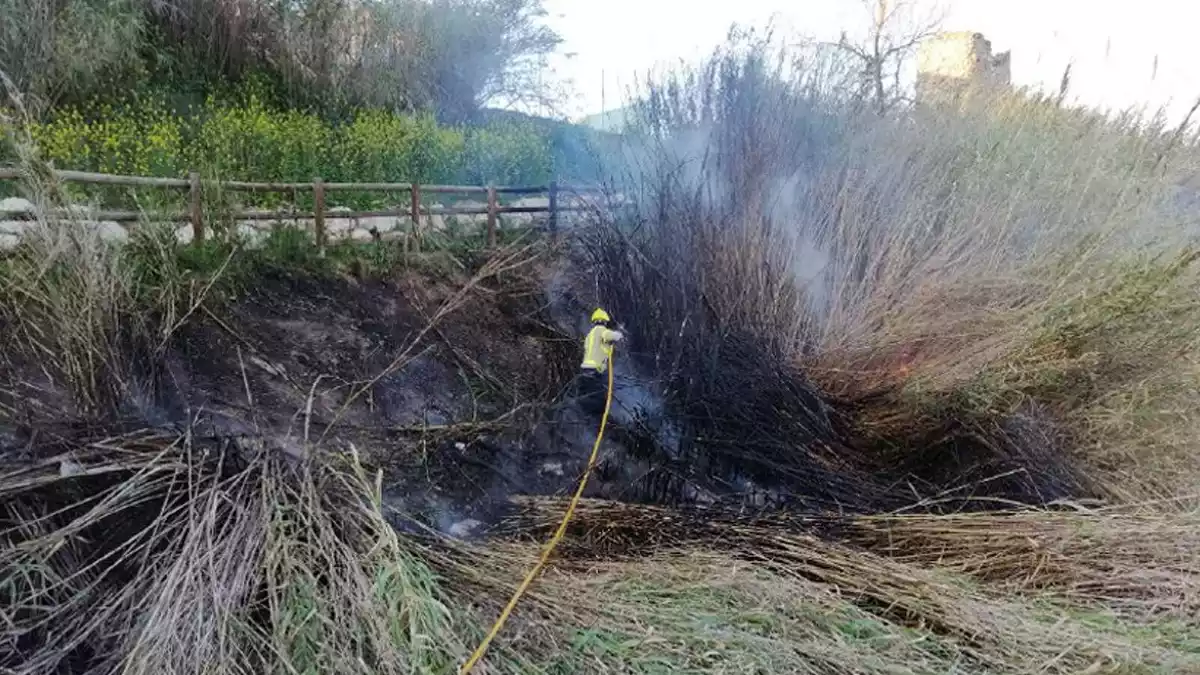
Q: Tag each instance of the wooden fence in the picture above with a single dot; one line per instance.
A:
(195, 186)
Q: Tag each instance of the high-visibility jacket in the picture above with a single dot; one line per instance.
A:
(597, 348)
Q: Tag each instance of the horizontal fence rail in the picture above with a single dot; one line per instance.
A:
(195, 186)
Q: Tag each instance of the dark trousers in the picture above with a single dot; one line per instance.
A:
(591, 391)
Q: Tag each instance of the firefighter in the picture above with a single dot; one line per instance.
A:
(597, 350)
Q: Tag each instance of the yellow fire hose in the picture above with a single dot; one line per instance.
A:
(550, 545)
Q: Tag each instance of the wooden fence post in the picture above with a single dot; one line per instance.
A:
(416, 215)
(553, 206)
(319, 213)
(491, 216)
(194, 215)
(197, 212)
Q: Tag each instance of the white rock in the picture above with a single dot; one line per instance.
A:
(464, 527)
(113, 232)
(531, 202)
(16, 205)
(337, 226)
(251, 236)
(379, 223)
(360, 234)
(16, 227)
(184, 235)
(516, 219)
(527, 219)
(471, 218)
(338, 212)
(461, 222)
(8, 241)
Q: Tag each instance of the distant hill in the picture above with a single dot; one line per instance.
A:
(611, 121)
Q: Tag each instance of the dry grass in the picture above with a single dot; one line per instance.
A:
(1139, 561)
(180, 556)
(943, 265)
(266, 567)
(1032, 592)
(1133, 559)
(713, 614)
(1025, 255)
(64, 300)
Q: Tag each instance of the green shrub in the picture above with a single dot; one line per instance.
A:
(507, 154)
(378, 146)
(242, 137)
(140, 139)
(253, 142)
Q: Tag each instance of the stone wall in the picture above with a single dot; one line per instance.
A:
(950, 63)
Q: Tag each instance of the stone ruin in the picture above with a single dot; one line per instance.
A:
(950, 65)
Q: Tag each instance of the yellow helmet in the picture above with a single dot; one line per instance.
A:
(600, 316)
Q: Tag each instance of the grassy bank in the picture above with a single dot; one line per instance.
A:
(246, 139)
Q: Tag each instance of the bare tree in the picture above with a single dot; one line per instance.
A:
(453, 56)
(54, 47)
(896, 29)
(489, 52)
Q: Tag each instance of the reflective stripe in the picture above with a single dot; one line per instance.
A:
(596, 351)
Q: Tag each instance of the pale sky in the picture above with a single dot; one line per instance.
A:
(1124, 53)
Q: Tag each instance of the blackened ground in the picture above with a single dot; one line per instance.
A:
(484, 408)
(448, 426)
(293, 337)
